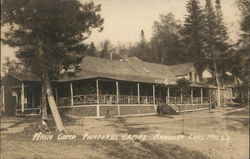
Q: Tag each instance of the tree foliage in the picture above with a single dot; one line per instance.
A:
(50, 36)
(239, 60)
(57, 27)
(166, 40)
(12, 66)
(193, 34)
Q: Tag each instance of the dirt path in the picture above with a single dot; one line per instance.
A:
(218, 134)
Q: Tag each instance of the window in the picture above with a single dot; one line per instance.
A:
(195, 77)
(190, 76)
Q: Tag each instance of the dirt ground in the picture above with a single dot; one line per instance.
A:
(215, 134)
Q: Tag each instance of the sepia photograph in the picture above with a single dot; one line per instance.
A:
(125, 79)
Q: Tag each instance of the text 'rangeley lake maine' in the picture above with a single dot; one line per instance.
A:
(130, 137)
(123, 79)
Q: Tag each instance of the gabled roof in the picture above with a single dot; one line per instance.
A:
(182, 69)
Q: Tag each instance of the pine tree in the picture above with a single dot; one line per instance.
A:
(193, 37)
(92, 51)
(142, 44)
(211, 52)
(142, 48)
(221, 32)
(50, 37)
(221, 41)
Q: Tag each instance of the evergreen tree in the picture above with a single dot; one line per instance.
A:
(221, 42)
(92, 51)
(221, 32)
(211, 51)
(210, 30)
(50, 36)
(106, 49)
(193, 37)
(142, 44)
(142, 49)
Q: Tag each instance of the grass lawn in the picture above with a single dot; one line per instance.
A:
(215, 134)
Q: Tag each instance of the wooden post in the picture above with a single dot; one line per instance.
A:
(154, 98)
(97, 99)
(138, 93)
(3, 99)
(181, 97)
(71, 94)
(201, 95)
(117, 97)
(154, 94)
(33, 98)
(168, 94)
(192, 96)
(22, 97)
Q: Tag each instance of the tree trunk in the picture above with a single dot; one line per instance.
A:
(218, 84)
(44, 103)
(52, 104)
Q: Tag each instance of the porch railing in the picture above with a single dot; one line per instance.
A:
(89, 99)
(103, 99)
(146, 100)
(126, 99)
(188, 100)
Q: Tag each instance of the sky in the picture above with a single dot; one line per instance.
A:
(124, 19)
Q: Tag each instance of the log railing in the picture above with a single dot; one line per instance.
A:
(89, 99)
(127, 99)
(188, 100)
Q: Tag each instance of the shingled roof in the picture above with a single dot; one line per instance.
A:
(27, 76)
(127, 69)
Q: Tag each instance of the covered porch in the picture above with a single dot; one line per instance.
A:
(100, 97)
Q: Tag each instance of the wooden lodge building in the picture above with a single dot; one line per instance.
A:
(122, 87)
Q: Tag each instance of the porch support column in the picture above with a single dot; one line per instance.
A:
(181, 98)
(168, 95)
(138, 93)
(201, 95)
(97, 99)
(3, 96)
(22, 97)
(33, 98)
(154, 94)
(192, 96)
(71, 94)
(117, 97)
